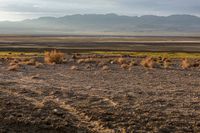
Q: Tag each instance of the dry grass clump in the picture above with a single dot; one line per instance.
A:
(88, 60)
(185, 64)
(53, 56)
(13, 62)
(166, 64)
(13, 67)
(133, 63)
(149, 62)
(31, 62)
(38, 65)
(105, 68)
(125, 66)
(121, 61)
(102, 63)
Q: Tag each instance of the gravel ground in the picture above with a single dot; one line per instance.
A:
(58, 99)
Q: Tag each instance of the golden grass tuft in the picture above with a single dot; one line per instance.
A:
(149, 62)
(121, 61)
(185, 64)
(13, 67)
(53, 56)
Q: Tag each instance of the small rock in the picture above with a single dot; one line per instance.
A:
(58, 112)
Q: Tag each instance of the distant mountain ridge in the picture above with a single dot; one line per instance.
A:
(100, 23)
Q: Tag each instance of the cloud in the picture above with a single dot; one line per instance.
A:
(37, 8)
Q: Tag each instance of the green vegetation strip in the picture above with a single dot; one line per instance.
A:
(152, 54)
(20, 54)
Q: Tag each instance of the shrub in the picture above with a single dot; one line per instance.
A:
(88, 60)
(185, 64)
(38, 65)
(133, 63)
(105, 68)
(121, 61)
(13, 67)
(31, 62)
(166, 64)
(149, 62)
(53, 56)
(125, 66)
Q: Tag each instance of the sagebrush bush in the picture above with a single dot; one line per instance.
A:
(149, 62)
(185, 64)
(121, 61)
(53, 56)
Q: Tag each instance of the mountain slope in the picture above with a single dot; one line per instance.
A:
(109, 23)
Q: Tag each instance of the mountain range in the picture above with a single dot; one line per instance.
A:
(103, 23)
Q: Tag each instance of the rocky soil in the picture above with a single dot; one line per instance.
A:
(56, 99)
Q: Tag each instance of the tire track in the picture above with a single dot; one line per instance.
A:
(95, 126)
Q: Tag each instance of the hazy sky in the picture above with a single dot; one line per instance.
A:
(23, 9)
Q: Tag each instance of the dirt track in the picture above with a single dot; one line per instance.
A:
(57, 99)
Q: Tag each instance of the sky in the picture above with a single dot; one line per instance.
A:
(16, 10)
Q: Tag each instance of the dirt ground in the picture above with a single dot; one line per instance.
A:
(56, 99)
(84, 43)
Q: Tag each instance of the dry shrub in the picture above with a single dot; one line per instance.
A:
(105, 68)
(25, 59)
(102, 63)
(31, 62)
(13, 62)
(149, 62)
(13, 67)
(185, 64)
(53, 56)
(166, 64)
(125, 66)
(121, 61)
(38, 65)
(133, 63)
(88, 60)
